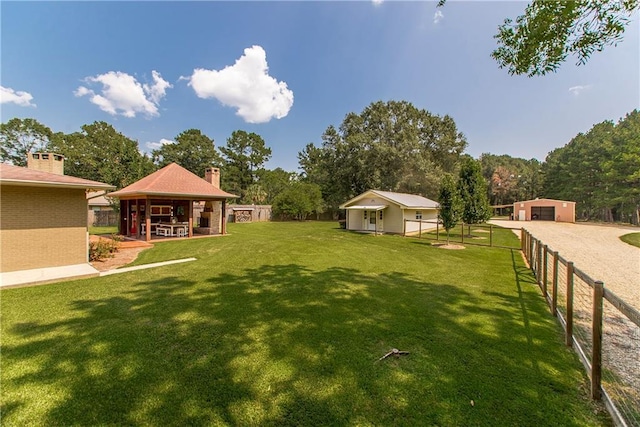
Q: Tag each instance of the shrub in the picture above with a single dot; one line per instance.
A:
(104, 248)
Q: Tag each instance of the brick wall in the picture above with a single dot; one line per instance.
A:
(42, 227)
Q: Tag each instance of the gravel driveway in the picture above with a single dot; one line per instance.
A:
(594, 249)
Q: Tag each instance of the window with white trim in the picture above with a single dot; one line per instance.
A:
(418, 214)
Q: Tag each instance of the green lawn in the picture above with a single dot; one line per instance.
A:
(103, 230)
(282, 324)
(632, 239)
(481, 234)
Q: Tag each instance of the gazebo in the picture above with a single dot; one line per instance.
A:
(162, 204)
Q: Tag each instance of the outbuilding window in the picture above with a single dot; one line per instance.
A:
(380, 215)
(418, 214)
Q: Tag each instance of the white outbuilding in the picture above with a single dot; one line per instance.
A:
(388, 212)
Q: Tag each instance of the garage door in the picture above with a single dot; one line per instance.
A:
(543, 213)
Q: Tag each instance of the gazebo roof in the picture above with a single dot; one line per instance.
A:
(172, 181)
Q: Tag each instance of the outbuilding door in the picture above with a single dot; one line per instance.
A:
(370, 220)
(543, 213)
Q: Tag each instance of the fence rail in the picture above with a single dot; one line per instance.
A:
(602, 328)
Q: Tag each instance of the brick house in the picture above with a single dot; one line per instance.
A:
(44, 218)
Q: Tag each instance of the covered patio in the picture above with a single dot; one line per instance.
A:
(161, 205)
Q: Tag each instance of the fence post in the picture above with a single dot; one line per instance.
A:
(569, 335)
(522, 241)
(437, 229)
(420, 230)
(545, 260)
(530, 249)
(539, 264)
(596, 357)
(462, 234)
(554, 284)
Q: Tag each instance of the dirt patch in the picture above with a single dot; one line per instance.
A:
(128, 251)
(448, 246)
(121, 258)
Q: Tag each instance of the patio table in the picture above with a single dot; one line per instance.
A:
(169, 229)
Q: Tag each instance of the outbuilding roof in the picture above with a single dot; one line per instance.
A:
(18, 175)
(172, 181)
(404, 200)
(546, 200)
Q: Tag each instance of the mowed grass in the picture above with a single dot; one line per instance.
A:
(103, 230)
(632, 239)
(478, 234)
(283, 324)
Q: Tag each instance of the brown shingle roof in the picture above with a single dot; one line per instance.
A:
(172, 180)
(17, 175)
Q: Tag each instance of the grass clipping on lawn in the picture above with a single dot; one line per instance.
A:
(280, 324)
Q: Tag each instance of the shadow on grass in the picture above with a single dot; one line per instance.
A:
(287, 345)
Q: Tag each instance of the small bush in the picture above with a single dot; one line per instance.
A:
(104, 248)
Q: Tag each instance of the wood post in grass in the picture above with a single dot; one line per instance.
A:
(462, 233)
(554, 289)
(420, 230)
(522, 241)
(569, 335)
(596, 357)
(545, 259)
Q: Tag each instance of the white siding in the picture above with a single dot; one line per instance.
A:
(430, 215)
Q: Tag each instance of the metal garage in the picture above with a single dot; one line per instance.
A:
(545, 210)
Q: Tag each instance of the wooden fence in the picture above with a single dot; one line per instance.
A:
(602, 328)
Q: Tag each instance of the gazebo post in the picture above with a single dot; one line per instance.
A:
(147, 219)
(224, 216)
(190, 218)
(138, 219)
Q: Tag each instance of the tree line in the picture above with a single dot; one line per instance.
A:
(391, 146)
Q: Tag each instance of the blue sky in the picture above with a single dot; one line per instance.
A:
(155, 69)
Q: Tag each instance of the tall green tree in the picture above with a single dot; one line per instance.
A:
(450, 204)
(599, 171)
(472, 188)
(99, 152)
(274, 182)
(298, 201)
(192, 150)
(21, 136)
(244, 155)
(391, 146)
(511, 178)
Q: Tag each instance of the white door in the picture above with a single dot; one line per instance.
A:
(522, 215)
(371, 225)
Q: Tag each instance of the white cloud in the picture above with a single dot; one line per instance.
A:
(577, 90)
(123, 94)
(437, 17)
(18, 97)
(156, 145)
(246, 86)
(377, 2)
